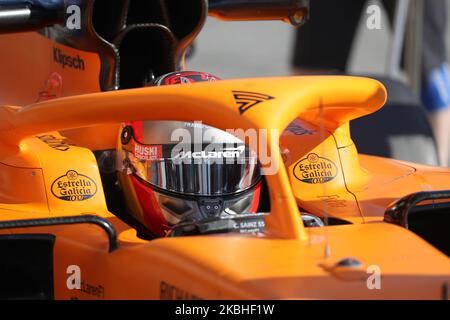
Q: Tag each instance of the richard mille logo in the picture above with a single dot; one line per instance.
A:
(246, 100)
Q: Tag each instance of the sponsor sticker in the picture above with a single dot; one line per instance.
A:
(59, 144)
(246, 100)
(171, 292)
(298, 130)
(223, 153)
(333, 201)
(74, 186)
(143, 152)
(315, 169)
(65, 60)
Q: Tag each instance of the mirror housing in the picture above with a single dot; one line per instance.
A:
(33, 15)
(30, 15)
(295, 12)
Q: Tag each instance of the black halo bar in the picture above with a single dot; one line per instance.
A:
(398, 212)
(82, 219)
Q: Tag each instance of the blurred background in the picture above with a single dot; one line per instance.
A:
(256, 49)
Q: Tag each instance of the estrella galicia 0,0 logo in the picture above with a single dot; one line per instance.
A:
(315, 169)
(74, 186)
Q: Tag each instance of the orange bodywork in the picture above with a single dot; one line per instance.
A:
(319, 170)
(28, 63)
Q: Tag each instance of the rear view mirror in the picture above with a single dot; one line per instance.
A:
(32, 15)
(295, 12)
(29, 15)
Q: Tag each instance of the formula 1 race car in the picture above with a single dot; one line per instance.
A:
(329, 223)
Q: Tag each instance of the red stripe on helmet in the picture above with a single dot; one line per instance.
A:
(153, 216)
(255, 200)
(138, 131)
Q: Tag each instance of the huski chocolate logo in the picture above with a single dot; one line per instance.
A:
(314, 169)
(148, 152)
(74, 187)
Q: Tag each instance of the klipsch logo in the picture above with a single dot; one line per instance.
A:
(67, 61)
(246, 100)
(74, 187)
(314, 169)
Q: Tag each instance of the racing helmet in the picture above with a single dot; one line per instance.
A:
(175, 171)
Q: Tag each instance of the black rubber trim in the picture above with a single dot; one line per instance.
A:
(89, 219)
(398, 212)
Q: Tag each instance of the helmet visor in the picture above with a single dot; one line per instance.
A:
(194, 169)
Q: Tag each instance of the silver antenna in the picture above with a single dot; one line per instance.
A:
(327, 251)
